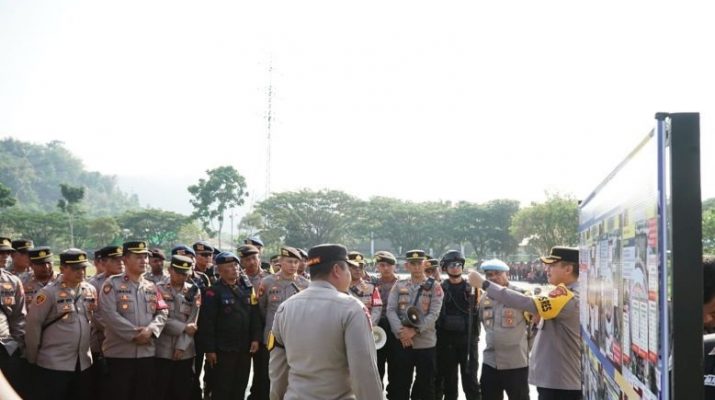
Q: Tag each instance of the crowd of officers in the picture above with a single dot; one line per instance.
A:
(195, 330)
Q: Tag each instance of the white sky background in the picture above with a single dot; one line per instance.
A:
(420, 101)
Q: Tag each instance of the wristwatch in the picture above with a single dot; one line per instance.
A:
(485, 285)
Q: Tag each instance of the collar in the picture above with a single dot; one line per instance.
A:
(322, 285)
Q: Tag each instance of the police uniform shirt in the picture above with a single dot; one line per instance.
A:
(59, 345)
(369, 295)
(183, 306)
(157, 279)
(257, 278)
(125, 306)
(12, 317)
(555, 361)
(402, 296)
(273, 291)
(385, 287)
(328, 351)
(96, 335)
(32, 287)
(506, 334)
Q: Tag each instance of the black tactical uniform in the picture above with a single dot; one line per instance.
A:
(230, 321)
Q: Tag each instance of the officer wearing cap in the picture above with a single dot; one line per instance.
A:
(20, 259)
(58, 327)
(133, 314)
(6, 251)
(276, 263)
(175, 347)
(303, 263)
(204, 260)
(505, 364)
(324, 348)
(386, 262)
(12, 323)
(231, 328)
(366, 292)
(555, 362)
(258, 243)
(112, 260)
(456, 344)
(251, 264)
(42, 273)
(417, 336)
(157, 273)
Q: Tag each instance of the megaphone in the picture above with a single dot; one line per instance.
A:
(413, 317)
(380, 337)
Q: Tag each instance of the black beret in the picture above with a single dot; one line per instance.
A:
(254, 241)
(247, 250)
(182, 250)
(226, 257)
(202, 247)
(157, 253)
(288, 251)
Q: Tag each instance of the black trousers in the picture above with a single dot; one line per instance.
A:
(558, 394)
(452, 355)
(261, 385)
(200, 365)
(98, 373)
(16, 371)
(386, 354)
(62, 385)
(130, 379)
(231, 375)
(514, 381)
(406, 361)
(174, 379)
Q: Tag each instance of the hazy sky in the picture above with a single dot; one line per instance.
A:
(421, 101)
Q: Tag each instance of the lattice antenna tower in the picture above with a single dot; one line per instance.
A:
(269, 119)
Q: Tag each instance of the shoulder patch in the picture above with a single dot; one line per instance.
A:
(210, 293)
(107, 288)
(559, 291)
(550, 306)
(40, 299)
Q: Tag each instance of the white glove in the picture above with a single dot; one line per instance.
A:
(476, 279)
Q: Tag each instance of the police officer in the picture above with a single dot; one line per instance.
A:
(412, 309)
(385, 263)
(204, 260)
(555, 362)
(12, 324)
(456, 344)
(112, 260)
(157, 274)
(251, 264)
(323, 344)
(258, 243)
(58, 326)
(175, 346)
(133, 314)
(232, 328)
(42, 273)
(366, 292)
(303, 263)
(20, 260)
(6, 251)
(505, 364)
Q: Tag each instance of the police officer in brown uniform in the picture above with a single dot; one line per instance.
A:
(133, 314)
(385, 262)
(251, 264)
(366, 292)
(58, 326)
(12, 324)
(20, 259)
(6, 251)
(175, 346)
(42, 273)
(157, 274)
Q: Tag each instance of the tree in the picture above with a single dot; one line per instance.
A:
(224, 189)
(6, 199)
(69, 204)
(48, 229)
(158, 227)
(552, 223)
(307, 218)
(709, 226)
(104, 231)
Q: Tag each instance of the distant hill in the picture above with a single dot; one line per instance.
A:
(34, 172)
(157, 192)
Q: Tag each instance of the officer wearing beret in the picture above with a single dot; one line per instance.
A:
(555, 362)
(20, 259)
(58, 327)
(251, 264)
(157, 273)
(42, 273)
(303, 263)
(12, 323)
(324, 347)
(417, 336)
(386, 262)
(231, 328)
(6, 251)
(175, 347)
(366, 292)
(133, 314)
(112, 260)
(258, 243)
(204, 260)
(505, 364)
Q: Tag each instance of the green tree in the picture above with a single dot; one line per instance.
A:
(70, 205)
(224, 189)
(6, 199)
(709, 226)
(160, 228)
(552, 223)
(104, 231)
(307, 218)
(45, 229)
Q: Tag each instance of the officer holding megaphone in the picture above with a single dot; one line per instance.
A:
(412, 309)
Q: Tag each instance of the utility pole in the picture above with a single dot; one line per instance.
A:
(269, 118)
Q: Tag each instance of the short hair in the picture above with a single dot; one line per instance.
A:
(574, 268)
(321, 271)
(708, 278)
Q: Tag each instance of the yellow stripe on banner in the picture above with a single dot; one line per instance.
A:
(625, 386)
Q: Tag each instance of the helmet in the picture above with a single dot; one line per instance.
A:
(451, 256)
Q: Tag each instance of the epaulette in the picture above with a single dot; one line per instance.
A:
(246, 281)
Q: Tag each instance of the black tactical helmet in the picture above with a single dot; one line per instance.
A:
(451, 256)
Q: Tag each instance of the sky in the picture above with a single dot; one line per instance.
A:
(415, 100)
